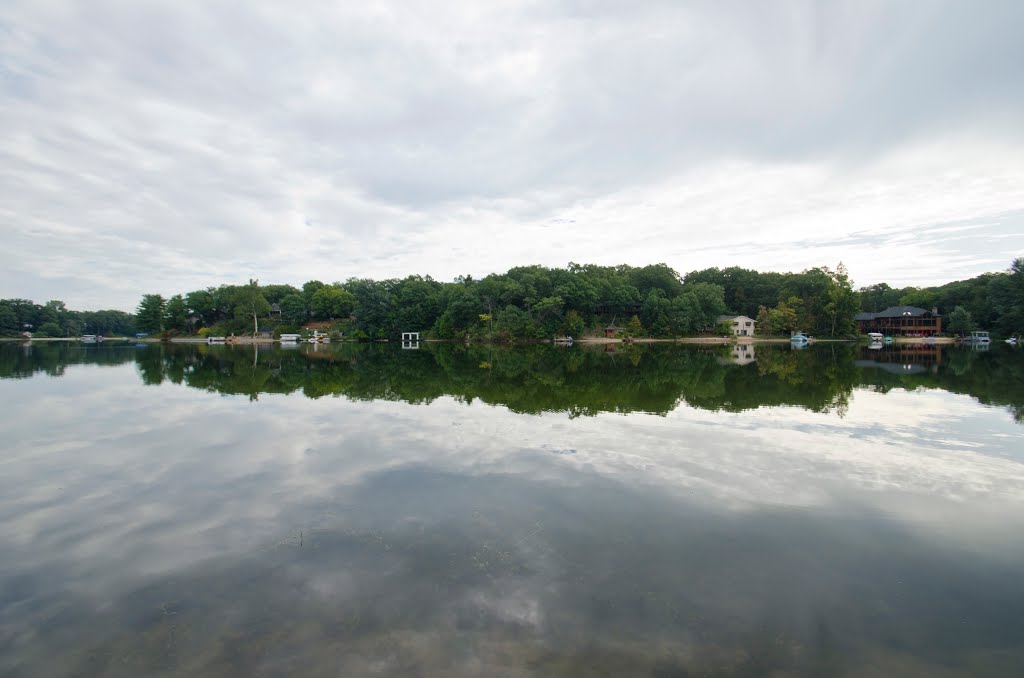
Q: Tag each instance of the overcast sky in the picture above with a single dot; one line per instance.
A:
(168, 146)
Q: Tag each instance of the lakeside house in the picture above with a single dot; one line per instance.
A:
(741, 325)
(901, 321)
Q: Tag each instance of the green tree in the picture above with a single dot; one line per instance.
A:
(922, 298)
(655, 312)
(634, 328)
(684, 314)
(332, 302)
(764, 321)
(784, 318)
(373, 305)
(203, 304)
(656, 277)
(8, 319)
(176, 314)
(417, 303)
(841, 302)
(275, 293)
(547, 314)
(960, 321)
(512, 322)
(878, 297)
(250, 303)
(293, 309)
(574, 324)
(49, 329)
(149, 316)
(108, 322)
(1006, 299)
(705, 302)
(308, 290)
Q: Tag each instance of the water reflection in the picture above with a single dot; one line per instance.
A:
(746, 530)
(580, 381)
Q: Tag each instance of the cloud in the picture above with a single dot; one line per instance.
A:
(167, 505)
(168, 146)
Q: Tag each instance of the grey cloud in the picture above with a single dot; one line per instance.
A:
(177, 141)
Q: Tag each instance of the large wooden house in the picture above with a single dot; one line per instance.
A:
(901, 321)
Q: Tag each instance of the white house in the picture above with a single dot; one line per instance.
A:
(742, 326)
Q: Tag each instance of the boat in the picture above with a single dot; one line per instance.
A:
(319, 338)
(876, 337)
(979, 337)
(799, 338)
(89, 339)
(216, 340)
(566, 340)
(290, 338)
(1012, 341)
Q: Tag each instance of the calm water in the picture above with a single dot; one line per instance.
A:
(367, 510)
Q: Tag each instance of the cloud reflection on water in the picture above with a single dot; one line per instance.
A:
(202, 533)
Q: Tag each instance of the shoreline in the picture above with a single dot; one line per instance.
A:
(594, 341)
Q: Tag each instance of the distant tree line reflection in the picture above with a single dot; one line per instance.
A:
(582, 381)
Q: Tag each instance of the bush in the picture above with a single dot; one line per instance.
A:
(50, 329)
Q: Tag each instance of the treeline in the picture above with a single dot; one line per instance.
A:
(990, 301)
(527, 302)
(54, 319)
(820, 300)
(535, 302)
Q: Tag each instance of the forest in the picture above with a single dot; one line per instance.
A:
(55, 319)
(536, 302)
(524, 303)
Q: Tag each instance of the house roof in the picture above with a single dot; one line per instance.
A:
(726, 318)
(896, 312)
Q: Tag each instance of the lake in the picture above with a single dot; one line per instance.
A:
(661, 510)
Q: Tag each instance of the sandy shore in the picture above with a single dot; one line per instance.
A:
(714, 341)
(651, 340)
(234, 340)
